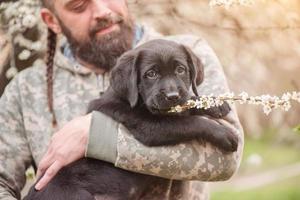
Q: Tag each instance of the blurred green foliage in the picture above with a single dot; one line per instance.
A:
(285, 190)
(297, 129)
(274, 154)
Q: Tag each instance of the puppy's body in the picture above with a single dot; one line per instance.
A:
(145, 83)
(87, 179)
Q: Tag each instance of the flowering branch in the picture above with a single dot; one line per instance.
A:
(229, 3)
(268, 102)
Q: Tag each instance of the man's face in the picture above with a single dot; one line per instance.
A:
(99, 31)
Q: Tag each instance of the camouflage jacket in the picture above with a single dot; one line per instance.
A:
(25, 128)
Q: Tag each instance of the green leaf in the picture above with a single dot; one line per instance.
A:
(297, 129)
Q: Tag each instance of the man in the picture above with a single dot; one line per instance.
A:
(36, 110)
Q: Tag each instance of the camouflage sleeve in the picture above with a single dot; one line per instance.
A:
(192, 160)
(14, 151)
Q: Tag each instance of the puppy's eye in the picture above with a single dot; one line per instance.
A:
(151, 74)
(180, 70)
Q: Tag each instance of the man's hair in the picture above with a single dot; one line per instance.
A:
(51, 47)
(49, 73)
(48, 4)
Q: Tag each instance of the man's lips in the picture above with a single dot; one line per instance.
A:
(108, 29)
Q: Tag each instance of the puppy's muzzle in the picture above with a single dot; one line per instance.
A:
(172, 96)
(166, 99)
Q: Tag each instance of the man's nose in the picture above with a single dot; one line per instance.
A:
(101, 9)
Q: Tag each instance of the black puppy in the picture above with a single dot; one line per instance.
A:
(145, 84)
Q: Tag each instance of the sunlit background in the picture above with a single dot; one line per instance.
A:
(258, 46)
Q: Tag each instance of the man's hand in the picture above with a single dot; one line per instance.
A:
(66, 146)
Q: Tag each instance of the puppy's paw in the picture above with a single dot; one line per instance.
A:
(218, 112)
(225, 139)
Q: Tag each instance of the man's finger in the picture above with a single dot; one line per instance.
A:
(49, 174)
(45, 163)
(41, 169)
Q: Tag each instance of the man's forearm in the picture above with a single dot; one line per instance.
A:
(187, 161)
(102, 146)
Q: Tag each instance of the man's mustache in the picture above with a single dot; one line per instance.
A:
(105, 23)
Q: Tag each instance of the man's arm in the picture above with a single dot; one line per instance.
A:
(187, 161)
(15, 155)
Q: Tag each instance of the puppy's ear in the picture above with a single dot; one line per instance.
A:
(124, 77)
(196, 68)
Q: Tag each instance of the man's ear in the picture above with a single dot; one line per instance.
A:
(196, 68)
(50, 20)
(124, 77)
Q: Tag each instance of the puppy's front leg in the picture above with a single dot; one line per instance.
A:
(156, 130)
(175, 130)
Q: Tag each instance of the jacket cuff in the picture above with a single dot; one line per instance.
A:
(8, 198)
(103, 136)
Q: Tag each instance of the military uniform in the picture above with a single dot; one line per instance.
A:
(26, 128)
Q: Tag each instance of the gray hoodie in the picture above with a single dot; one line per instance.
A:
(26, 128)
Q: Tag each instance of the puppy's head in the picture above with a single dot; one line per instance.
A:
(159, 73)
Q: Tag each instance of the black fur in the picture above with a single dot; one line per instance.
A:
(145, 83)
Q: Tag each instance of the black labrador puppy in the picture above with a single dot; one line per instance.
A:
(145, 83)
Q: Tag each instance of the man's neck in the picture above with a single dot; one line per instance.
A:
(95, 69)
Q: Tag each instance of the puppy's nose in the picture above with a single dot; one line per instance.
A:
(172, 96)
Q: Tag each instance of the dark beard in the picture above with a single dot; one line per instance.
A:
(103, 51)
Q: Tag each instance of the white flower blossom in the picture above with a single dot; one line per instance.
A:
(267, 109)
(296, 96)
(268, 102)
(29, 21)
(178, 109)
(24, 55)
(286, 106)
(11, 72)
(230, 3)
(244, 96)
